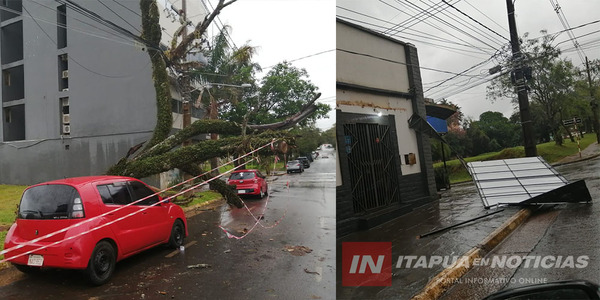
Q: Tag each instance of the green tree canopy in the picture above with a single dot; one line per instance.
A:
(284, 91)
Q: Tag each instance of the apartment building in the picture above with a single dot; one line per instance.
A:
(77, 92)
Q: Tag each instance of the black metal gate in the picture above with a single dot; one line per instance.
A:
(372, 166)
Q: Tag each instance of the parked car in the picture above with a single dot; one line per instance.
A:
(305, 161)
(249, 182)
(96, 222)
(294, 166)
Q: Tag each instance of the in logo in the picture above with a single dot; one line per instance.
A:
(367, 264)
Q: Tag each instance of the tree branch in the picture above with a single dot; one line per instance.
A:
(308, 109)
(179, 52)
(227, 191)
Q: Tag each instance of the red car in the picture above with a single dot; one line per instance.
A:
(249, 182)
(96, 226)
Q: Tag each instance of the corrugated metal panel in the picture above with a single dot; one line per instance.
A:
(511, 181)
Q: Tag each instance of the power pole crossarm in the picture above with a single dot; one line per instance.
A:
(529, 141)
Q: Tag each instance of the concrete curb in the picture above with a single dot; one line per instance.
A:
(436, 287)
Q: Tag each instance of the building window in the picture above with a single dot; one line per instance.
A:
(61, 26)
(7, 115)
(63, 72)
(14, 123)
(65, 117)
(6, 77)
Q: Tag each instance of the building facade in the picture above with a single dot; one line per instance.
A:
(384, 165)
(76, 93)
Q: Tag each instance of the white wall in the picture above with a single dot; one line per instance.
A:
(377, 69)
(349, 101)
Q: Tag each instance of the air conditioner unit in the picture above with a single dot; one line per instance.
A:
(65, 101)
(65, 74)
(66, 129)
(65, 89)
(64, 57)
(66, 119)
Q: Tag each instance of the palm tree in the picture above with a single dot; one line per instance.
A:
(222, 78)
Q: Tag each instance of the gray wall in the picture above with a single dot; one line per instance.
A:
(30, 162)
(111, 95)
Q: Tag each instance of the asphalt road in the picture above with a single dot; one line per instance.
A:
(552, 234)
(293, 260)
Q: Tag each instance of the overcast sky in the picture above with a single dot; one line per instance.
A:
(290, 30)
(442, 23)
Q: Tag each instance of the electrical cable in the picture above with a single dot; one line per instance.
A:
(447, 24)
(448, 48)
(119, 16)
(485, 15)
(426, 35)
(76, 62)
(402, 63)
(565, 24)
(473, 19)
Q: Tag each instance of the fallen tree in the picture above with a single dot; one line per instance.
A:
(165, 151)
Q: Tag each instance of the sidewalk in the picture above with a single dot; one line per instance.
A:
(458, 204)
(473, 239)
(590, 152)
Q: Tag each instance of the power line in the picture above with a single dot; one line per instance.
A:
(448, 24)
(425, 34)
(116, 14)
(485, 15)
(74, 60)
(431, 14)
(416, 18)
(473, 19)
(476, 29)
(301, 58)
(401, 63)
(461, 73)
(565, 23)
(94, 16)
(128, 42)
(481, 51)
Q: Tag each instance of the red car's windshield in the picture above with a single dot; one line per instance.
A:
(241, 175)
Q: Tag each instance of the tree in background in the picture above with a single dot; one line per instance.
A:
(282, 93)
(499, 129)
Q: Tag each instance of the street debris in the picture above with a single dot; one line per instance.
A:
(199, 266)
(311, 272)
(162, 293)
(297, 250)
(227, 251)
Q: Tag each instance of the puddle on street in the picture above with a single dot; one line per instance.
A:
(237, 219)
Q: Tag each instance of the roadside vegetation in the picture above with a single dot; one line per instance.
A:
(550, 151)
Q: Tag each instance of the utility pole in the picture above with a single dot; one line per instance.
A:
(529, 142)
(593, 102)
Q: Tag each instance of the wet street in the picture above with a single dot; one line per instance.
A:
(289, 254)
(553, 233)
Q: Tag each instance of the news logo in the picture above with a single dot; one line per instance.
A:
(367, 264)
